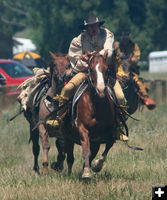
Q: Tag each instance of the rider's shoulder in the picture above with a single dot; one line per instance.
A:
(136, 45)
(77, 39)
(116, 44)
(106, 32)
(83, 34)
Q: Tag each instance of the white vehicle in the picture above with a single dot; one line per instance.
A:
(23, 44)
(158, 61)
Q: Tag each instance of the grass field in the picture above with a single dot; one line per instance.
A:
(127, 174)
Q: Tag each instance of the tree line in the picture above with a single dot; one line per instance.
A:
(54, 23)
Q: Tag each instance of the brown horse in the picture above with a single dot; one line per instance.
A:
(130, 87)
(58, 69)
(96, 117)
(95, 122)
(131, 94)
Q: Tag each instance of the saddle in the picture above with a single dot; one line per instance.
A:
(37, 93)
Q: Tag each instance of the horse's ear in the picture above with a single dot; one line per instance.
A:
(88, 52)
(105, 54)
(52, 55)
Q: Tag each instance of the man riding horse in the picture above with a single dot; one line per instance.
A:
(129, 54)
(92, 38)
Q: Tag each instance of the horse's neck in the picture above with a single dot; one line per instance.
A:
(53, 86)
(97, 101)
(102, 109)
(50, 93)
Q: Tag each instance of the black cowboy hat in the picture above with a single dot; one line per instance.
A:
(91, 19)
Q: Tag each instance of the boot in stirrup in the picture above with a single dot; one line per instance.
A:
(119, 133)
(60, 114)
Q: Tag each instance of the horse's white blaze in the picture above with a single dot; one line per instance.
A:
(100, 79)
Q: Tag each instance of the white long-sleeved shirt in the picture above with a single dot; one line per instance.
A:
(102, 41)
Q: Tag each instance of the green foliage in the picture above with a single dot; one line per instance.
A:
(12, 17)
(54, 23)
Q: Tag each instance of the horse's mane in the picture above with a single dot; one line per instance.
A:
(57, 54)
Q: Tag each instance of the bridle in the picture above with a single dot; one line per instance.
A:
(61, 75)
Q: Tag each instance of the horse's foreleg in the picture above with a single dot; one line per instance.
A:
(84, 139)
(46, 146)
(94, 148)
(98, 164)
(35, 149)
(106, 150)
(58, 166)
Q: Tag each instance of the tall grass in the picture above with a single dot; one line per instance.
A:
(127, 174)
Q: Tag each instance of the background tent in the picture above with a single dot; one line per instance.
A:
(30, 59)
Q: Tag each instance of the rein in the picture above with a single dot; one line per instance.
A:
(16, 115)
(90, 80)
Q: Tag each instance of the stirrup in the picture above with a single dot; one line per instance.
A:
(53, 123)
(123, 137)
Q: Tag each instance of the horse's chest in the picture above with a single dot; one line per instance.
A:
(101, 133)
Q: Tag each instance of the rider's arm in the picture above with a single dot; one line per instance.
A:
(75, 55)
(136, 54)
(108, 44)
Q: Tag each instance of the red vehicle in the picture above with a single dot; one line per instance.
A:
(12, 74)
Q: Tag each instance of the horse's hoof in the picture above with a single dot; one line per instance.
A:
(97, 165)
(57, 166)
(86, 174)
(36, 170)
(69, 173)
(45, 170)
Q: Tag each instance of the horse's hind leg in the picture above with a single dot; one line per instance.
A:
(35, 149)
(46, 146)
(58, 166)
(69, 148)
(98, 164)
